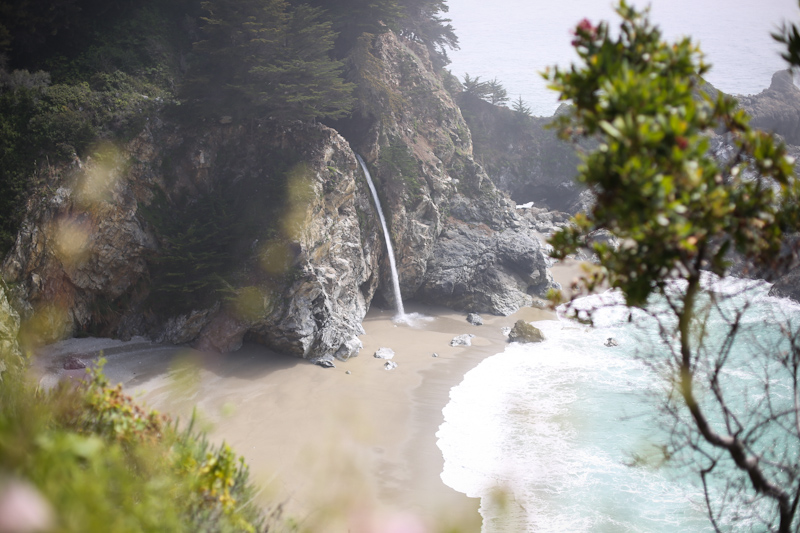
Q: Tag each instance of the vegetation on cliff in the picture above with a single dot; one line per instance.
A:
(75, 72)
(266, 59)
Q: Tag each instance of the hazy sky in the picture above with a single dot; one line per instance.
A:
(515, 39)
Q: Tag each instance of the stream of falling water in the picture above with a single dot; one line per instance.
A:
(395, 280)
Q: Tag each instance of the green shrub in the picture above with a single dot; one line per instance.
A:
(105, 464)
(399, 165)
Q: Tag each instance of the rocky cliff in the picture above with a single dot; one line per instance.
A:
(87, 255)
(216, 232)
(522, 156)
(777, 108)
(9, 329)
(440, 201)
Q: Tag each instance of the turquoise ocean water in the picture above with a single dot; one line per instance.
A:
(557, 427)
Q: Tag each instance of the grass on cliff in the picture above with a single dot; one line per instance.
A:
(85, 458)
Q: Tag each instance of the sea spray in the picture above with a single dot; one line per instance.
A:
(398, 299)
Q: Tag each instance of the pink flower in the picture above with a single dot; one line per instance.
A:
(585, 26)
(23, 509)
(584, 30)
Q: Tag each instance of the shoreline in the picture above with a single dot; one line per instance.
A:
(337, 450)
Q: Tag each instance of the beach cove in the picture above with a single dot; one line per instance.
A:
(351, 446)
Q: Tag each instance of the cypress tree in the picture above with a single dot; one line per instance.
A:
(263, 57)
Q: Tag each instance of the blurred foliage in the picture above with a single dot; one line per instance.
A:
(679, 212)
(674, 207)
(105, 464)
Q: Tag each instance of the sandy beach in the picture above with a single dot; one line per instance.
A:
(350, 448)
(345, 448)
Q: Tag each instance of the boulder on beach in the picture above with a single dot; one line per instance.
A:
(462, 340)
(475, 319)
(390, 365)
(349, 349)
(384, 353)
(524, 332)
(73, 363)
(324, 362)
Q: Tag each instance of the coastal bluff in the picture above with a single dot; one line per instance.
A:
(105, 247)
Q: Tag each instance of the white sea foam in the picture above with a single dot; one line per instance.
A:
(557, 424)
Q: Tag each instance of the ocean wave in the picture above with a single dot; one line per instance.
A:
(557, 426)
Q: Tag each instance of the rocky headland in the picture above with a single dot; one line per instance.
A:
(280, 212)
(214, 232)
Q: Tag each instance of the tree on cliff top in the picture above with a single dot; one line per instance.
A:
(263, 57)
(418, 20)
(521, 107)
(422, 21)
(353, 18)
(492, 91)
(678, 212)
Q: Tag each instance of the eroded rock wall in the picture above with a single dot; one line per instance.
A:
(450, 225)
(9, 329)
(87, 257)
(83, 258)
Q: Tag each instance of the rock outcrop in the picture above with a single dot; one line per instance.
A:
(476, 268)
(788, 286)
(776, 109)
(458, 240)
(9, 329)
(526, 333)
(82, 258)
(81, 244)
(300, 265)
(522, 157)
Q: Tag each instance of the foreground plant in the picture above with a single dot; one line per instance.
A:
(102, 463)
(677, 211)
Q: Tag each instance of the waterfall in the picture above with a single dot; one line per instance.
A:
(395, 281)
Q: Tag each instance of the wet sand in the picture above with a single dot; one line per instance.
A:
(340, 451)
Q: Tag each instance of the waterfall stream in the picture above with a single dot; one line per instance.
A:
(395, 280)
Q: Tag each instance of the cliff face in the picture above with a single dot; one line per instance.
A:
(83, 259)
(9, 329)
(522, 156)
(459, 241)
(277, 220)
(776, 109)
